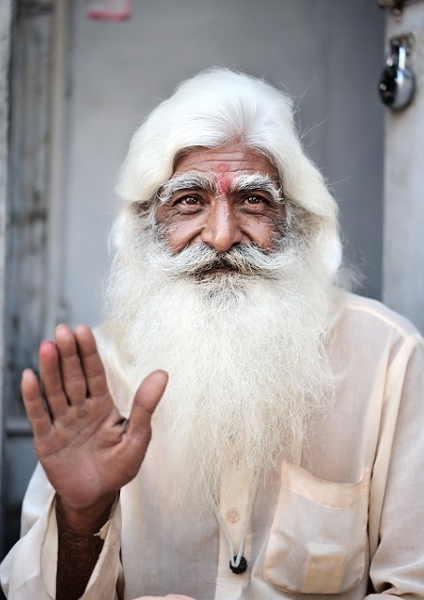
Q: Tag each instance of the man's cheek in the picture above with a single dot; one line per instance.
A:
(263, 230)
(179, 232)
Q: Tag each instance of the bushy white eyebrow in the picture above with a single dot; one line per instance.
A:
(193, 180)
(256, 181)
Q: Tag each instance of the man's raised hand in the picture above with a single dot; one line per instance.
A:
(87, 449)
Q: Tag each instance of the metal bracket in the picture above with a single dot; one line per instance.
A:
(396, 7)
(407, 40)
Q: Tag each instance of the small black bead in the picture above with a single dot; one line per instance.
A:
(241, 568)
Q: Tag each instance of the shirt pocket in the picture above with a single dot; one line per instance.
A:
(318, 537)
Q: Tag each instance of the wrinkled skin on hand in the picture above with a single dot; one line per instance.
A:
(86, 448)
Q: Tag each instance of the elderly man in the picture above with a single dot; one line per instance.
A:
(287, 450)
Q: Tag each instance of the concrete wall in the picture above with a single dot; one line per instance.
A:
(23, 234)
(5, 45)
(403, 283)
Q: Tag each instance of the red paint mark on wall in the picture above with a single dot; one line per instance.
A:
(109, 10)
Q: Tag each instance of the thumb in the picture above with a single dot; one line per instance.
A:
(145, 402)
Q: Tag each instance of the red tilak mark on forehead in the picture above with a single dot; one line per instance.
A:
(224, 183)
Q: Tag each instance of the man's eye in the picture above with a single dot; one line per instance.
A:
(190, 203)
(254, 199)
(189, 200)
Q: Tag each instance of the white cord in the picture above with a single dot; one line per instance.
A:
(235, 560)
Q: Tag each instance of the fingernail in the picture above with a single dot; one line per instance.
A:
(47, 343)
(26, 373)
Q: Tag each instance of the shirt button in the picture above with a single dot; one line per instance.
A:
(233, 516)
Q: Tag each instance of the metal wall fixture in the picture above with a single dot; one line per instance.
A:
(397, 81)
(393, 4)
(396, 6)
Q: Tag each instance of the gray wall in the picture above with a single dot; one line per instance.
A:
(328, 54)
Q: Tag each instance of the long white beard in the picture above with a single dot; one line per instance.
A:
(246, 357)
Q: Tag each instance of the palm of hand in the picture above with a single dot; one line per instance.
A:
(86, 448)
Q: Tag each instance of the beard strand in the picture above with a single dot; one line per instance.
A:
(245, 346)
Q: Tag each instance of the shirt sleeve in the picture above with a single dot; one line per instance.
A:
(29, 570)
(397, 564)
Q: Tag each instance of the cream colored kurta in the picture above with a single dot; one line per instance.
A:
(347, 521)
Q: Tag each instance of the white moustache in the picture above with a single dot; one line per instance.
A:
(202, 260)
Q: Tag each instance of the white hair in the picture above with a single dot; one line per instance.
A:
(246, 350)
(214, 108)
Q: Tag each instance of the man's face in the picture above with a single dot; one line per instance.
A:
(221, 197)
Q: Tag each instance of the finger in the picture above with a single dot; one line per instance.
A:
(145, 401)
(73, 379)
(36, 410)
(51, 379)
(92, 365)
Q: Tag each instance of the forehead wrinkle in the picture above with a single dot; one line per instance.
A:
(191, 180)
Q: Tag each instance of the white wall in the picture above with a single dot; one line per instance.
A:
(403, 284)
(327, 53)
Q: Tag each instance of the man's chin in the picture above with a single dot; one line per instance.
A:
(217, 273)
(231, 274)
(221, 271)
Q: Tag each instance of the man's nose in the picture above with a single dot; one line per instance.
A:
(222, 230)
